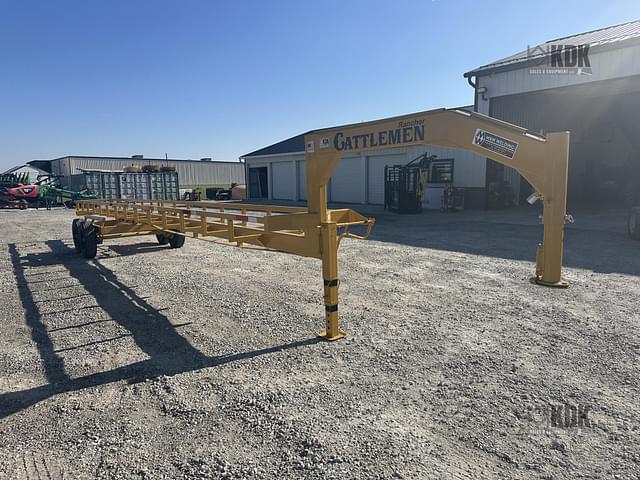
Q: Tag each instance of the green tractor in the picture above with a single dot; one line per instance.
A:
(43, 193)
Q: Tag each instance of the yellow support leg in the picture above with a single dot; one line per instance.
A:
(549, 257)
(329, 239)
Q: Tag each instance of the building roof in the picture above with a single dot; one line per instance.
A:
(290, 145)
(135, 159)
(41, 164)
(615, 36)
(38, 170)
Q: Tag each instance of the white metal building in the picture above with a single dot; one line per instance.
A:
(588, 84)
(191, 173)
(278, 172)
(32, 171)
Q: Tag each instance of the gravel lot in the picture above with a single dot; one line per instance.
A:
(203, 362)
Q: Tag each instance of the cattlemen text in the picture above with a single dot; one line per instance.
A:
(405, 132)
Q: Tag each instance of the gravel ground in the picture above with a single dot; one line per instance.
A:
(203, 362)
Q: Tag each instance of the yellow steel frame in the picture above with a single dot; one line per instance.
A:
(287, 229)
(316, 231)
(542, 160)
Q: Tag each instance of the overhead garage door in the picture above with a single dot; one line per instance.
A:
(347, 181)
(283, 175)
(375, 176)
(302, 180)
(604, 164)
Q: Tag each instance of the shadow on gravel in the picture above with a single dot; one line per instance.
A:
(134, 249)
(588, 246)
(53, 364)
(169, 352)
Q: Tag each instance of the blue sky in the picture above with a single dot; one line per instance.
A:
(196, 78)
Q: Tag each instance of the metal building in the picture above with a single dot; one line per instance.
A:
(278, 172)
(30, 170)
(191, 173)
(587, 83)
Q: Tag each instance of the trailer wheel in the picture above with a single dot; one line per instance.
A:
(634, 223)
(76, 227)
(176, 241)
(89, 240)
(162, 239)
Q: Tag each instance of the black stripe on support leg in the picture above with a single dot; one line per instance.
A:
(331, 308)
(332, 283)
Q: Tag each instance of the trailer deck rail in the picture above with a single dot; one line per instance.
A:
(316, 231)
(287, 229)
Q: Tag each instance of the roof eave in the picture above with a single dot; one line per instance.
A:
(271, 155)
(517, 65)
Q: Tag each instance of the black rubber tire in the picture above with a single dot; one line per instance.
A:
(162, 239)
(76, 231)
(89, 240)
(176, 241)
(633, 223)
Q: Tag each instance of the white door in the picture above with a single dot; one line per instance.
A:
(375, 176)
(347, 181)
(283, 175)
(302, 180)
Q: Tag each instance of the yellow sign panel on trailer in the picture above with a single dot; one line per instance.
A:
(316, 231)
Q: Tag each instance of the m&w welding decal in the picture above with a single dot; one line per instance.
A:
(495, 143)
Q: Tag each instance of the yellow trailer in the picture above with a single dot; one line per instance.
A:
(316, 231)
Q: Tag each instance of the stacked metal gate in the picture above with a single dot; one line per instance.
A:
(103, 184)
(131, 186)
(163, 185)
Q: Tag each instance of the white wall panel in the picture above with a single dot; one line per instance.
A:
(283, 178)
(302, 180)
(347, 181)
(605, 65)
